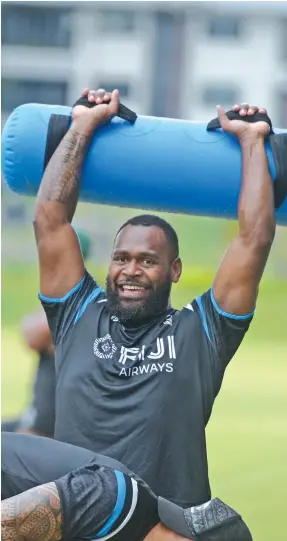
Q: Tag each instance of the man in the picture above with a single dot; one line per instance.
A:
(66, 492)
(39, 416)
(137, 379)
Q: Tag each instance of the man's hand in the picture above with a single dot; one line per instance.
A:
(240, 129)
(107, 106)
(236, 283)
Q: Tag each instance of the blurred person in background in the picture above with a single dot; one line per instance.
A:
(39, 416)
(137, 379)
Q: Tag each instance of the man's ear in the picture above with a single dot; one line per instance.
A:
(176, 270)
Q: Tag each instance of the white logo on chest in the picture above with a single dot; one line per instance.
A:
(104, 348)
(134, 354)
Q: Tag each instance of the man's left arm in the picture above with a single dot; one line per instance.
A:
(226, 310)
(236, 283)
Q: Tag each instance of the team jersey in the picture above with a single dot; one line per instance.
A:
(142, 395)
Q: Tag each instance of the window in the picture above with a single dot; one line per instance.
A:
(118, 22)
(35, 25)
(224, 27)
(18, 91)
(123, 88)
(217, 95)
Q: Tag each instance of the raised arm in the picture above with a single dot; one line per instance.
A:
(32, 515)
(236, 283)
(60, 259)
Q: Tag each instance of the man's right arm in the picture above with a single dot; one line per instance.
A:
(34, 514)
(60, 258)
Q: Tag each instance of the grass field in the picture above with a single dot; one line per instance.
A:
(247, 434)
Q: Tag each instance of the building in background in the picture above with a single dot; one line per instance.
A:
(175, 59)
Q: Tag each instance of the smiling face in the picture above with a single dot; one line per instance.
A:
(142, 270)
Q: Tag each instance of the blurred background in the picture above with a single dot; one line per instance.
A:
(174, 59)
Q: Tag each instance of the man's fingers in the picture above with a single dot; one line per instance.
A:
(114, 103)
(252, 110)
(111, 100)
(92, 95)
(243, 109)
(224, 121)
(246, 109)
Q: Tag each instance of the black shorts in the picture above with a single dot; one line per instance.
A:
(99, 496)
(101, 499)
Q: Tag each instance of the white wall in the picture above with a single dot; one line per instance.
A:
(254, 63)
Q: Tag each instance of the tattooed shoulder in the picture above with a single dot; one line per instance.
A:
(34, 515)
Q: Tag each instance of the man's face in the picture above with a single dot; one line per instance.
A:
(141, 273)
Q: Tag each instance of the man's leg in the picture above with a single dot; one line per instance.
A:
(91, 501)
(28, 461)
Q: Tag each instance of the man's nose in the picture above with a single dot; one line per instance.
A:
(132, 268)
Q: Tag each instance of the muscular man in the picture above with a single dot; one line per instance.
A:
(39, 416)
(58, 491)
(137, 379)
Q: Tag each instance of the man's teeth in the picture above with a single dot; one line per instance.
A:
(137, 288)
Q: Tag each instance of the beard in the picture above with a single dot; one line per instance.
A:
(137, 312)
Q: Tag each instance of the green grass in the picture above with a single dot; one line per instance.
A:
(247, 435)
(247, 439)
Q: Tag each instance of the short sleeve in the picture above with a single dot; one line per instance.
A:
(224, 332)
(64, 312)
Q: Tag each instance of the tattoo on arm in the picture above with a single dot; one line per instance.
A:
(61, 180)
(34, 515)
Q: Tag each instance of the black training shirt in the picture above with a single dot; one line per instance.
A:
(142, 396)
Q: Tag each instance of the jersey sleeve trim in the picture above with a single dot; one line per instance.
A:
(62, 299)
(88, 300)
(227, 314)
(121, 498)
(203, 316)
